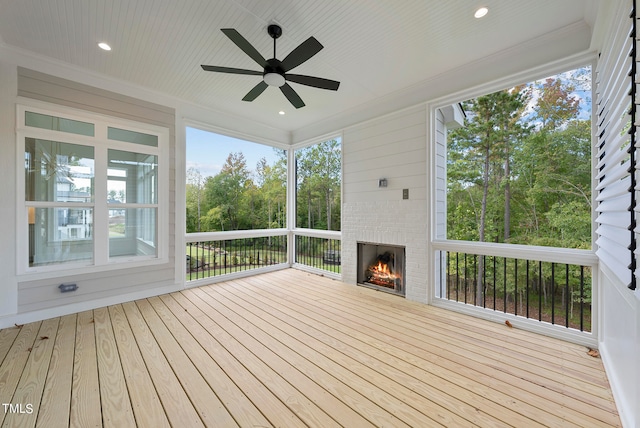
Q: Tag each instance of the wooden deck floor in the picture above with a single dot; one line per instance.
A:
(292, 349)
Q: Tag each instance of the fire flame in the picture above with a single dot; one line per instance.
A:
(382, 271)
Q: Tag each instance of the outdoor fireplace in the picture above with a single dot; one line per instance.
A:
(381, 266)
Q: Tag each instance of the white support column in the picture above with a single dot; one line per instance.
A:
(291, 205)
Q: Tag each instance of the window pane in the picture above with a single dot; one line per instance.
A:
(318, 181)
(132, 137)
(233, 184)
(60, 235)
(132, 178)
(132, 232)
(58, 172)
(519, 170)
(45, 121)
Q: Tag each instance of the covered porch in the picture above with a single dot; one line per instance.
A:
(290, 348)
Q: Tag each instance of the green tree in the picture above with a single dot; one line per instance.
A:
(272, 182)
(485, 146)
(226, 191)
(556, 105)
(318, 171)
(483, 151)
(555, 171)
(194, 194)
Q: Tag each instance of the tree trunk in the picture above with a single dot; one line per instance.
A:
(507, 198)
(483, 216)
(329, 209)
(309, 210)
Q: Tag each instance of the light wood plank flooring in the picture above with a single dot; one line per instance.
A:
(292, 349)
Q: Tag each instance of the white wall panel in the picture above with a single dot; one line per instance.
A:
(40, 294)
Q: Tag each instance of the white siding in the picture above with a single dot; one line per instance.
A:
(8, 286)
(41, 294)
(392, 147)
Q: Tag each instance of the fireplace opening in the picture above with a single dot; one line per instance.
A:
(381, 267)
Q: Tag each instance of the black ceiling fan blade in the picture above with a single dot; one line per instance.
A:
(231, 70)
(292, 96)
(257, 90)
(303, 52)
(246, 47)
(316, 82)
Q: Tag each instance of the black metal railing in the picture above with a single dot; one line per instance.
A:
(320, 253)
(557, 293)
(219, 257)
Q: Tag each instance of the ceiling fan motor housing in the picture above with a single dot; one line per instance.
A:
(273, 73)
(274, 31)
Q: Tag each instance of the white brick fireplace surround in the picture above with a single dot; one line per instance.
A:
(401, 222)
(392, 147)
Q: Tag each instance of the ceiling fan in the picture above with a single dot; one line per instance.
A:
(276, 72)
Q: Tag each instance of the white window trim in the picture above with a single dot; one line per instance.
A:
(527, 76)
(562, 255)
(99, 141)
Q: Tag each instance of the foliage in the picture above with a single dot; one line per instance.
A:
(239, 198)
(519, 170)
(318, 177)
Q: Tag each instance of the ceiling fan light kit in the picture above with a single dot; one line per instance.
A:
(275, 72)
(274, 79)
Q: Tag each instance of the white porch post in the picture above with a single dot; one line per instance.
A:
(291, 205)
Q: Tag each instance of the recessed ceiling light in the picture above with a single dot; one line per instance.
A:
(281, 112)
(104, 46)
(481, 12)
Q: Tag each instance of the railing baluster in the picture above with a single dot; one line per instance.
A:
(494, 283)
(553, 293)
(475, 279)
(504, 285)
(540, 291)
(582, 297)
(465, 277)
(567, 295)
(448, 275)
(457, 275)
(515, 287)
(527, 279)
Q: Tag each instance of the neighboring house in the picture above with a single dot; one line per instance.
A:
(149, 259)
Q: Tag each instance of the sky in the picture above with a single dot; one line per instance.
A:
(207, 151)
(582, 77)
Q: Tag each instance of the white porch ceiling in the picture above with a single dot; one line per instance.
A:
(375, 48)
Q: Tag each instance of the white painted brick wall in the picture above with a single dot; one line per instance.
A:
(401, 222)
(394, 148)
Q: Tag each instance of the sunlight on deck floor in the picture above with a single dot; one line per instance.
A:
(289, 349)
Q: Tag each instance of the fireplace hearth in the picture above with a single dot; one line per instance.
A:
(381, 266)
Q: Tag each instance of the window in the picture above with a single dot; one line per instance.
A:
(318, 185)
(92, 193)
(233, 184)
(514, 214)
(519, 169)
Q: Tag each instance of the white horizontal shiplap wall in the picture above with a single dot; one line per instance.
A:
(40, 294)
(392, 147)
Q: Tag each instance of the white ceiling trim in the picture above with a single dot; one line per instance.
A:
(538, 53)
(185, 110)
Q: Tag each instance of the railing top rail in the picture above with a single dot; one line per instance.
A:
(516, 251)
(314, 233)
(234, 234)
